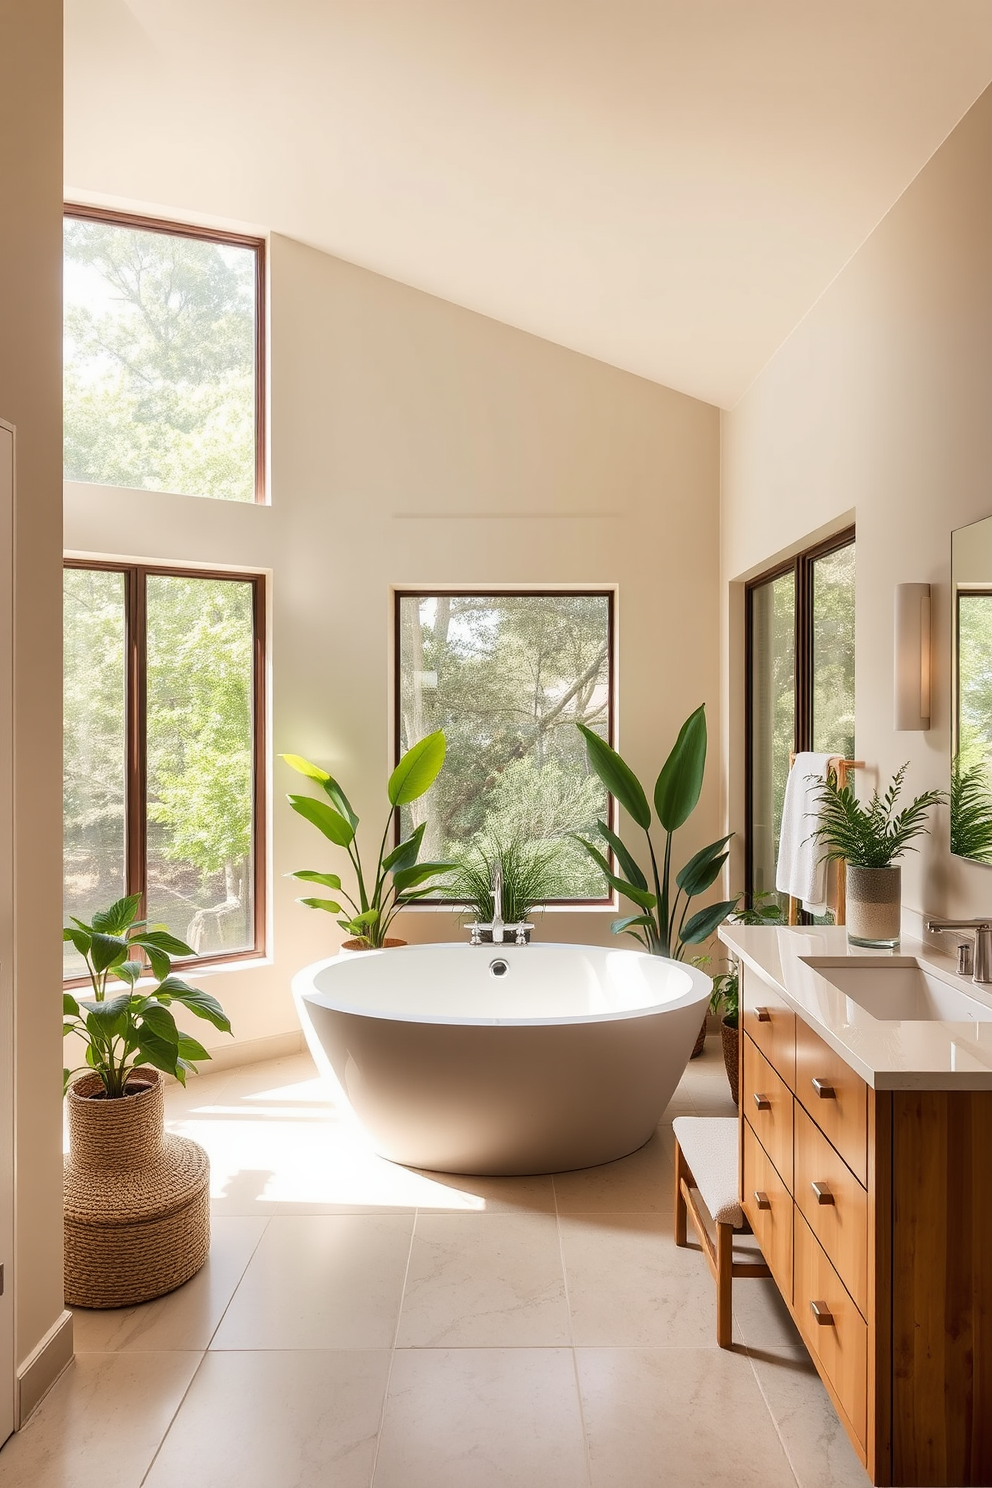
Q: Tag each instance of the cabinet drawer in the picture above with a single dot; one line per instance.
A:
(770, 1024)
(839, 1340)
(835, 1097)
(767, 1102)
(768, 1205)
(834, 1205)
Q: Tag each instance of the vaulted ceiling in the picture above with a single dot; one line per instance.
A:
(666, 185)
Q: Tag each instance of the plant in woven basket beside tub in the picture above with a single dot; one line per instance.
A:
(136, 1199)
(868, 839)
(399, 879)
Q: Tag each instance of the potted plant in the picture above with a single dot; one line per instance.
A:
(869, 839)
(530, 876)
(136, 1201)
(725, 997)
(399, 879)
(971, 810)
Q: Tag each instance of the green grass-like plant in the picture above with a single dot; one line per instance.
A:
(531, 875)
(971, 811)
(872, 835)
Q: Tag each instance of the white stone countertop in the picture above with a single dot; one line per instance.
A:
(889, 1055)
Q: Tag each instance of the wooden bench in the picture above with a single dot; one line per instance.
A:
(706, 1156)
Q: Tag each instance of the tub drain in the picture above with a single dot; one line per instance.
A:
(498, 967)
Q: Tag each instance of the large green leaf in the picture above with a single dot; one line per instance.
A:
(677, 789)
(304, 767)
(330, 905)
(191, 1048)
(70, 1007)
(408, 878)
(333, 825)
(199, 1002)
(107, 951)
(405, 855)
(702, 924)
(417, 770)
(310, 875)
(81, 939)
(339, 800)
(119, 917)
(703, 867)
(629, 921)
(160, 1021)
(618, 777)
(163, 941)
(161, 1053)
(337, 796)
(629, 865)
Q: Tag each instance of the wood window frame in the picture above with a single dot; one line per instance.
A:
(209, 235)
(135, 577)
(801, 566)
(523, 593)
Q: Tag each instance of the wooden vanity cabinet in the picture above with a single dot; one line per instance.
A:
(873, 1211)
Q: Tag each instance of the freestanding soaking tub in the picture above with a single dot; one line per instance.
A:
(504, 1059)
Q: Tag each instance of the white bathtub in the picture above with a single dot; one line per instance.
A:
(504, 1059)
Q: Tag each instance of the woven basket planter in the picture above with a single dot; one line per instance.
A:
(700, 1043)
(137, 1201)
(731, 1054)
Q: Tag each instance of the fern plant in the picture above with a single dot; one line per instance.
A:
(971, 811)
(872, 835)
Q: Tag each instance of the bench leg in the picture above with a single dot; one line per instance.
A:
(724, 1279)
(681, 1171)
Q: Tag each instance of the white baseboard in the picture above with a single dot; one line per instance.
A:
(254, 1051)
(42, 1367)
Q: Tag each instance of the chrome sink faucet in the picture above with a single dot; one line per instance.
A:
(983, 945)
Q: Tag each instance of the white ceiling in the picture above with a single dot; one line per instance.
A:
(667, 185)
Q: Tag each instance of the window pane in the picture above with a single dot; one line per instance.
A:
(200, 733)
(507, 678)
(833, 653)
(95, 735)
(773, 719)
(159, 361)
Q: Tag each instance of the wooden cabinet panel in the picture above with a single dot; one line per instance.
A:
(835, 1097)
(771, 1025)
(834, 1204)
(768, 1205)
(832, 1326)
(767, 1102)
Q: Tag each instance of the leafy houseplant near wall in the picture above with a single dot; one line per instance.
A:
(869, 839)
(399, 879)
(135, 1200)
(725, 998)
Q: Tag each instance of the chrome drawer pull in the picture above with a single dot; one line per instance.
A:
(822, 1313)
(823, 1194)
(762, 1102)
(761, 1199)
(824, 1090)
(763, 1015)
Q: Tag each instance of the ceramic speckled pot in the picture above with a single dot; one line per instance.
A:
(874, 906)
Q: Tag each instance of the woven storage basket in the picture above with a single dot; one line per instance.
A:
(137, 1215)
(731, 1054)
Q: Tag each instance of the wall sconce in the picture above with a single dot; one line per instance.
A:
(912, 656)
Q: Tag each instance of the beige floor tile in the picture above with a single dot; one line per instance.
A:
(761, 1318)
(186, 1318)
(321, 1282)
(101, 1424)
(465, 1191)
(482, 1418)
(277, 1420)
(694, 1418)
(484, 1281)
(816, 1443)
(640, 1183)
(630, 1286)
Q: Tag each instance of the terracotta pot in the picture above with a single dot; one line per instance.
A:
(355, 947)
(731, 1056)
(136, 1200)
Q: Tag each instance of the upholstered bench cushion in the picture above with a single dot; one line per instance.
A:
(710, 1147)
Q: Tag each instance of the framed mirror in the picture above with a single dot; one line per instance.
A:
(971, 700)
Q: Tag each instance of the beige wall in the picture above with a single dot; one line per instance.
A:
(879, 403)
(30, 398)
(417, 443)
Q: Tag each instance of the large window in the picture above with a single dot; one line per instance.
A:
(508, 676)
(163, 357)
(163, 748)
(800, 683)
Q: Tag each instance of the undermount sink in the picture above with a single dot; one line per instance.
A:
(903, 992)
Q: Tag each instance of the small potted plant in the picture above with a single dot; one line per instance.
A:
(725, 998)
(136, 1201)
(530, 876)
(869, 838)
(399, 879)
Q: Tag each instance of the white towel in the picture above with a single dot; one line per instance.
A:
(802, 871)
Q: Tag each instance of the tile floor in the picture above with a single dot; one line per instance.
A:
(362, 1324)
